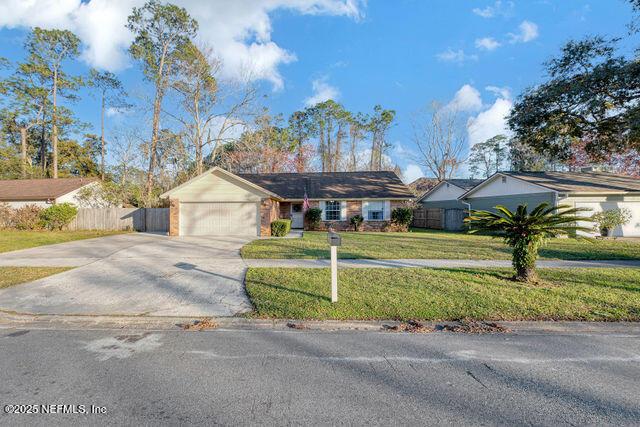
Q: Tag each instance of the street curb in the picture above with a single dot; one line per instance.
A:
(57, 322)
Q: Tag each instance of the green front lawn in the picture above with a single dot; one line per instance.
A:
(12, 240)
(10, 276)
(432, 245)
(445, 294)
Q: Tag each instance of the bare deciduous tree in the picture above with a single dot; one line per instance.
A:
(211, 107)
(440, 137)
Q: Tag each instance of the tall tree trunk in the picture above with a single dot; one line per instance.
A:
(372, 159)
(157, 104)
(198, 137)
(43, 139)
(102, 138)
(23, 152)
(352, 148)
(338, 151)
(323, 153)
(54, 126)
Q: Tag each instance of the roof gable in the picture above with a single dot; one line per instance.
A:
(40, 189)
(223, 174)
(500, 184)
(443, 191)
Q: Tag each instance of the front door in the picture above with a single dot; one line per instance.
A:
(297, 216)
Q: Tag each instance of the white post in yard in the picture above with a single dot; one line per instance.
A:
(334, 274)
(334, 241)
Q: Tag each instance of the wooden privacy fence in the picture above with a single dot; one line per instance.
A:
(439, 219)
(427, 218)
(135, 219)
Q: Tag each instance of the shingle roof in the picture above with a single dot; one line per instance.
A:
(39, 189)
(465, 184)
(333, 185)
(580, 182)
(421, 185)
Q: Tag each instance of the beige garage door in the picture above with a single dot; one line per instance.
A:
(218, 218)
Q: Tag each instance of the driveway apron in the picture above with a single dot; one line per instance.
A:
(134, 274)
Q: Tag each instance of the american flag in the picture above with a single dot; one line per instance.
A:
(305, 202)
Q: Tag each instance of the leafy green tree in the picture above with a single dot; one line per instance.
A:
(486, 158)
(112, 95)
(358, 125)
(590, 98)
(300, 130)
(328, 123)
(80, 159)
(48, 50)
(24, 111)
(526, 232)
(381, 122)
(162, 33)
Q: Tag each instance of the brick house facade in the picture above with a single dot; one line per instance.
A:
(219, 202)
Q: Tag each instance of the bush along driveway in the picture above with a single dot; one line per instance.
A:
(434, 245)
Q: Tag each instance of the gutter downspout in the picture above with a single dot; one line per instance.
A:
(468, 209)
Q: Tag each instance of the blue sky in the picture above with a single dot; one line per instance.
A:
(400, 54)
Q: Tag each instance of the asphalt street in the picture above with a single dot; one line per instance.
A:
(251, 377)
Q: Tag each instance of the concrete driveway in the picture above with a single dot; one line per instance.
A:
(133, 274)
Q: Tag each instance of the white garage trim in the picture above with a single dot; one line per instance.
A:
(219, 218)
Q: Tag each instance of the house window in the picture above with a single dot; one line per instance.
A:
(375, 211)
(332, 210)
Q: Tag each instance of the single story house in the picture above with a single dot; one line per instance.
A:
(594, 190)
(219, 202)
(42, 192)
(446, 193)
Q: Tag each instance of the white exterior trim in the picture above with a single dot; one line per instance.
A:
(516, 186)
(443, 187)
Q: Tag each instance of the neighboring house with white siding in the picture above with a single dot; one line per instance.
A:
(446, 193)
(43, 192)
(594, 190)
(219, 202)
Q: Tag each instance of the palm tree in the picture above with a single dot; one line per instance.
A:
(527, 232)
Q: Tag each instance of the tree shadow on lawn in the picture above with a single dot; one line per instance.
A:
(291, 290)
(583, 253)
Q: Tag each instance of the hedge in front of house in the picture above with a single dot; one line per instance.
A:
(55, 217)
(402, 217)
(280, 227)
(313, 217)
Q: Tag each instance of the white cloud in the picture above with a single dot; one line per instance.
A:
(490, 122)
(457, 56)
(503, 92)
(497, 9)
(322, 91)
(116, 112)
(467, 98)
(238, 31)
(487, 43)
(527, 31)
(411, 173)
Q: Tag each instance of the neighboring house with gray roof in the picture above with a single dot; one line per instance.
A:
(219, 202)
(593, 190)
(446, 193)
(42, 192)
